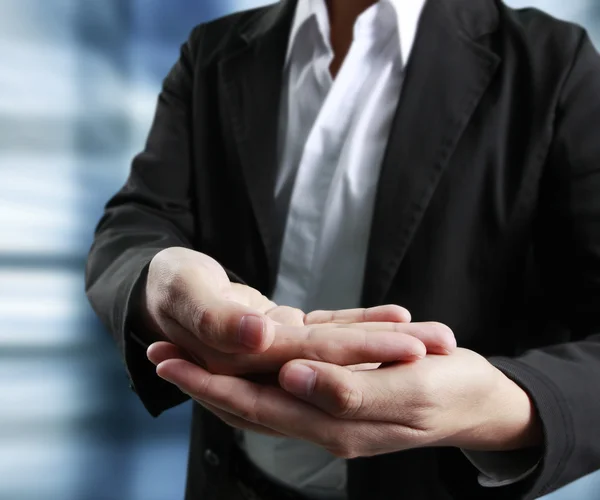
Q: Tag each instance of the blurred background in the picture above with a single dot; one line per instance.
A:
(78, 84)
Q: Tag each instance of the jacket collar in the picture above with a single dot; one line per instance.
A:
(407, 14)
(471, 18)
(447, 75)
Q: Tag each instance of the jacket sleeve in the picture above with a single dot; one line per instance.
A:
(563, 379)
(150, 213)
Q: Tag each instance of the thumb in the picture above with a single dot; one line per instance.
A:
(334, 389)
(227, 326)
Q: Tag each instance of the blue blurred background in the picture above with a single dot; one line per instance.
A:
(78, 84)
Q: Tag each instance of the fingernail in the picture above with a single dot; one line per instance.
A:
(251, 331)
(300, 380)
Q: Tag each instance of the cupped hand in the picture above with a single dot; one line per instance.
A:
(458, 400)
(235, 330)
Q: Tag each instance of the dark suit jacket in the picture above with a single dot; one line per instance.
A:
(487, 218)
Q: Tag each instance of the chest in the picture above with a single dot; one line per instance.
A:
(455, 196)
(332, 134)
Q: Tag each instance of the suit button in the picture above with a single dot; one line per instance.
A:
(211, 458)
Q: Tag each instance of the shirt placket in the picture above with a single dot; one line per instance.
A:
(319, 162)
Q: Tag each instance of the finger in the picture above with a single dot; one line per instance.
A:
(386, 395)
(263, 406)
(338, 345)
(248, 296)
(380, 314)
(238, 423)
(285, 315)
(275, 409)
(437, 338)
(162, 351)
(334, 389)
(226, 326)
(363, 367)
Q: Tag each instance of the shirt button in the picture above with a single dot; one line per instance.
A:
(211, 458)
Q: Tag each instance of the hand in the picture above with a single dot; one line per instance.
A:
(233, 329)
(458, 400)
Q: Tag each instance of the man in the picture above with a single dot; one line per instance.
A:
(439, 155)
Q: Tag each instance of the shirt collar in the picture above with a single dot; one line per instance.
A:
(408, 14)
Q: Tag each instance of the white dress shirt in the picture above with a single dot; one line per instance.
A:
(331, 145)
(333, 135)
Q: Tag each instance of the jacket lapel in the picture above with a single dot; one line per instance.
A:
(445, 79)
(252, 78)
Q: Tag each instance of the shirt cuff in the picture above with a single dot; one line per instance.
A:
(503, 468)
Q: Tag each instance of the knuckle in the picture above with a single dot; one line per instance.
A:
(205, 322)
(249, 412)
(316, 348)
(364, 315)
(299, 315)
(336, 316)
(347, 401)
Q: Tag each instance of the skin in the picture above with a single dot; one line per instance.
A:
(342, 16)
(457, 400)
(353, 401)
(195, 314)
(373, 381)
(190, 302)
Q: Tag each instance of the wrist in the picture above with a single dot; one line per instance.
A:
(504, 419)
(509, 420)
